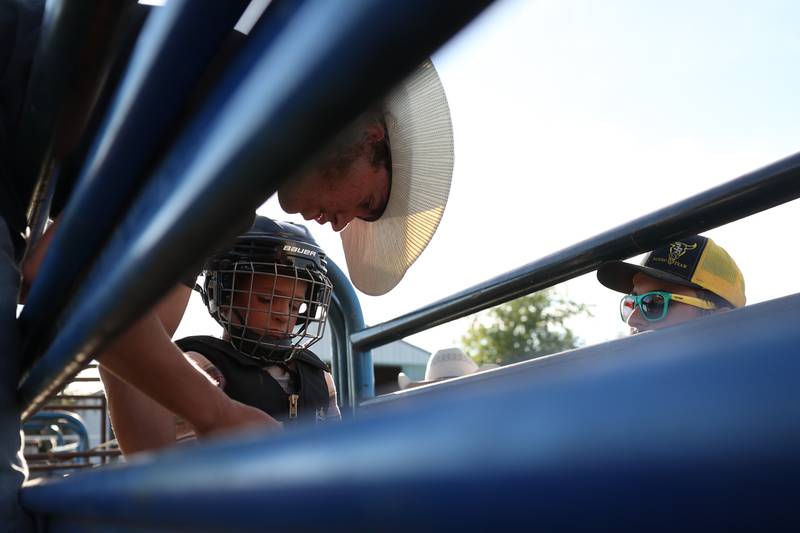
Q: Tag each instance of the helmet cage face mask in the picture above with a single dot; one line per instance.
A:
(270, 311)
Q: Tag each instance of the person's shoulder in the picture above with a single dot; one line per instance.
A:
(198, 358)
(208, 368)
(309, 357)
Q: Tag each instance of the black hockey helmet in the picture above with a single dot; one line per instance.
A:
(270, 290)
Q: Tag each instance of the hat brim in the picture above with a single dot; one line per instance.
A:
(618, 276)
(410, 383)
(405, 382)
(420, 136)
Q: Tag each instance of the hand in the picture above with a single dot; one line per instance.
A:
(231, 416)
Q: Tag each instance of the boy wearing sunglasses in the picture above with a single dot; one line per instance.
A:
(680, 281)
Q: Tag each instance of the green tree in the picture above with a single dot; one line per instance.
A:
(524, 328)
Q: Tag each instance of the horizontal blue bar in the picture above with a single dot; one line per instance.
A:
(756, 191)
(692, 426)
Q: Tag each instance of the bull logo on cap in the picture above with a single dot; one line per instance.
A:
(677, 249)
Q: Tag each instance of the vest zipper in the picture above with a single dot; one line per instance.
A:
(293, 405)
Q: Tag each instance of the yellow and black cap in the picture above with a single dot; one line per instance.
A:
(695, 261)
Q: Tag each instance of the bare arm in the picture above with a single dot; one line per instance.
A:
(333, 406)
(140, 423)
(170, 310)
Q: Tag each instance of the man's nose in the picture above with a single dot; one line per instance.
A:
(340, 221)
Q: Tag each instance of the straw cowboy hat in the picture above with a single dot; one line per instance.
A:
(420, 136)
(444, 364)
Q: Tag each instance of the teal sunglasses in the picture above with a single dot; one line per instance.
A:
(655, 304)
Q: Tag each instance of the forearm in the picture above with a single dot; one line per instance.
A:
(171, 308)
(139, 422)
(145, 358)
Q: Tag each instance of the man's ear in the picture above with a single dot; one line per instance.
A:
(375, 132)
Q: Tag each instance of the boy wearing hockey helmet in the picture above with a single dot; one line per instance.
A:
(270, 293)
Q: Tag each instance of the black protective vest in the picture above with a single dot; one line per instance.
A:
(247, 382)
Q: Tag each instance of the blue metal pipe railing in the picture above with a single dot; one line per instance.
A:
(67, 419)
(176, 45)
(355, 375)
(757, 191)
(286, 96)
(696, 424)
(340, 342)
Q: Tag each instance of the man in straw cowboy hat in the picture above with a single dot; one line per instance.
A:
(384, 183)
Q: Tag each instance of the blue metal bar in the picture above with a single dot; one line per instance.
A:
(74, 55)
(66, 419)
(693, 425)
(361, 379)
(757, 191)
(176, 45)
(294, 87)
(340, 342)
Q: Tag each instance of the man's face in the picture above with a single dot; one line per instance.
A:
(360, 191)
(273, 303)
(677, 312)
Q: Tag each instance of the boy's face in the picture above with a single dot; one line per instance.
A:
(271, 307)
(676, 313)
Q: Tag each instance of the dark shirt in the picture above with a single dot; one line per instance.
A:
(19, 30)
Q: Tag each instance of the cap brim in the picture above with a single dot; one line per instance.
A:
(420, 135)
(618, 276)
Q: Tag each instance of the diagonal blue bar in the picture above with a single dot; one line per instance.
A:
(176, 45)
